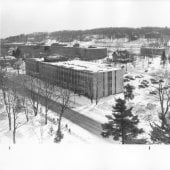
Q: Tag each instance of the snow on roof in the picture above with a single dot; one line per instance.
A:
(80, 65)
(149, 47)
(84, 66)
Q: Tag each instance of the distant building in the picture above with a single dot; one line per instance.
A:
(41, 50)
(153, 35)
(151, 51)
(29, 50)
(55, 58)
(79, 52)
(121, 56)
(87, 78)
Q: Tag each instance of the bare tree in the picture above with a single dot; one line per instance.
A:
(17, 66)
(7, 96)
(164, 99)
(16, 110)
(5, 93)
(47, 92)
(25, 104)
(24, 98)
(35, 88)
(64, 102)
(162, 95)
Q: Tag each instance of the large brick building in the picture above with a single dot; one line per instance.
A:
(151, 51)
(79, 52)
(38, 51)
(87, 78)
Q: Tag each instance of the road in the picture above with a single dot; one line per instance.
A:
(83, 121)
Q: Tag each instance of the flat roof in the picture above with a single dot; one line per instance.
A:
(153, 47)
(85, 66)
(81, 65)
(80, 47)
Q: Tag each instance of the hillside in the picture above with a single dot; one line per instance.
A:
(86, 35)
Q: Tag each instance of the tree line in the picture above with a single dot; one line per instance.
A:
(70, 35)
(21, 98)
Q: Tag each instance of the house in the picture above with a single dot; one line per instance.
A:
(121, 56)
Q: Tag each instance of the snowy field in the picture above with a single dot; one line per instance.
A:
(35, 131)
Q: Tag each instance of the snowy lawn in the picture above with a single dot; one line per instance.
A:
(35, 131)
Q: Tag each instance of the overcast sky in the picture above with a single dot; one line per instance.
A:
(27, 16)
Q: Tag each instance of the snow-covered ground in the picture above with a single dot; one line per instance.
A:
(35, 131)
(145, 105)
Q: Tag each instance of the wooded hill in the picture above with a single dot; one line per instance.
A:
(86, 35)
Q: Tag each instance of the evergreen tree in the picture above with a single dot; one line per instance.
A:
(163, 58)
(128, 92)
(16, 53)
(159, 134)
(122, 123)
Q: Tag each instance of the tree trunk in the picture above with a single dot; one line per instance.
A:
(35, 111)
(26, 114)
(59, 122)
(91, 99)
(14, 130)
(123, 140)
(14, 140)
(9, 121)
(46, 111)
(163, 123)
(126, 67)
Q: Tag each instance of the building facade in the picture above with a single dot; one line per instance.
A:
(151, 51)
(38, 51)
(87, 78)
(79, 52)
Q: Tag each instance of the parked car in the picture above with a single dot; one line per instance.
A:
(139, 76)
(145, 82)
(126, 80)
(141, 86)
(161, 81)
(146, 85)
(130, 77)
(153, 81)
(153, 92)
